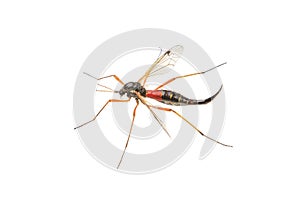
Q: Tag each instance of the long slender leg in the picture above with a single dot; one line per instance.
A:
(133, 117)
(171, 110)
(114, 76)
(108, 89)
(187, 75)
(111, 100)
(105, 87)
(154, 114)
(104, 91)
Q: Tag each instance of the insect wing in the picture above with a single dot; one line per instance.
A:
(163, 63)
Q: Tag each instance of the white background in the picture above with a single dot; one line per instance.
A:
(43, 45)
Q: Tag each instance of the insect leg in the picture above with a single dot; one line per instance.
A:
(154, 114)
(171, 110)
(187, 75)
(111, 100)
(133, 117)
(108, 89)
(105, 87)
(114, 76)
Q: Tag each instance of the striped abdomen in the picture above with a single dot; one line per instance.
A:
(176, 99)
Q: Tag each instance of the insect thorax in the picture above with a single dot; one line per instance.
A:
(129, 89)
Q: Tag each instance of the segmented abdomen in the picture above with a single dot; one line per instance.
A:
(169, 97)
(176, 99)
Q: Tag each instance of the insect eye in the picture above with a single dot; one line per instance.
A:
(121, 93)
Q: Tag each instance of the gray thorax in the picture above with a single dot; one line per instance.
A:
(130, 88)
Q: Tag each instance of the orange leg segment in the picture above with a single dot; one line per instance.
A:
(111, 100)
(187, 75)
(114, 76)
(132, 122)
(171, 110)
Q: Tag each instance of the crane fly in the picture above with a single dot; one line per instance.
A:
(137, 91)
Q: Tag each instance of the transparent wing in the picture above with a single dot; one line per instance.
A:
(162, 63)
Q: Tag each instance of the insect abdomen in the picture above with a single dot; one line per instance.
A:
(168, 97)
(176, 99)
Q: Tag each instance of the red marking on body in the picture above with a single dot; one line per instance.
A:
(154, 94)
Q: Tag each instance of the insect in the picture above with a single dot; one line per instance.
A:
(138, 92)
